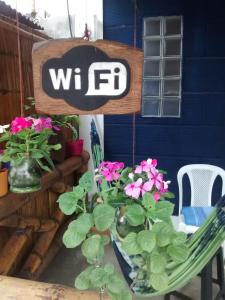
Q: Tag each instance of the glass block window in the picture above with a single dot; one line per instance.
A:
(162, 71)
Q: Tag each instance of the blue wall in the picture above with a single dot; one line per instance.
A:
(199, 135)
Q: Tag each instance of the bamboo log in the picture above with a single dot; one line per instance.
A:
(41, 247)
(12, 202)
(53, 250)
(37, 224)
(59, 187)
(20, 289)
(3, 237)
(14, 250)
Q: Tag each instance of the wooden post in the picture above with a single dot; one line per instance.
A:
(37, 224)
(20, 289)
(14, 250)
(41, 247)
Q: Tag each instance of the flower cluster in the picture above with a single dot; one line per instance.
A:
(29, 137)
(148, 179)
(110, 170)
(143, 178)
(38, 124)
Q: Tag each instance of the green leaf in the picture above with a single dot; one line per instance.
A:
(104, 185)
(36, 155)
(103, 216)
(56, 147)
(179, 238)
(146, 240)
(148, 201)
(98, 277)
(86, 181)
(178, 253)
(157, 263)
(68, 203)
(164, 209)
(159, 281)
(83, 223)
(116, 283)
(92, 246)
(42, 166)
(130, 244)
(169, 195)
(163, 233)
(79, 192)
(135, 214)
(82, 281)
(72, 238)
(109, 269)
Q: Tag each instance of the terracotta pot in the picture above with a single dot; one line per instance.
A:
(3, 182)
(74, 148)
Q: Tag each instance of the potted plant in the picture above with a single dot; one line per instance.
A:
(3, 176)
(131, 203)
(74, 147)
(28, 150)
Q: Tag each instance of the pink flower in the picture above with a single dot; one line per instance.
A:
(19, 124)
(42, 123)
(110, 176)
(146, 187)
(109, 170)
(134, 189)
(156, 178)
(146, 166)
(164, 187)
(156, 196)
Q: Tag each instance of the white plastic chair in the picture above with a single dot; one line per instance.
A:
(202, 178)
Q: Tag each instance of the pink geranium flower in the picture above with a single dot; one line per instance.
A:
(146, 166)
(156, 178)
(134, 189)
(110, 170)
(146, 187)
(42, 123)
(19, 124)
(164, 187)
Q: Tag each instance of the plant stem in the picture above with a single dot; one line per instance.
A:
(84, 205)
(101, 293)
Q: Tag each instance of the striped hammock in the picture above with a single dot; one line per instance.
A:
(203, 245)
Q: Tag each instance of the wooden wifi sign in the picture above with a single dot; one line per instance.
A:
(80, 77)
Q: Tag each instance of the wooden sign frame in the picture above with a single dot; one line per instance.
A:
(128, 102)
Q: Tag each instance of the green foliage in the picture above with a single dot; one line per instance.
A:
(146, 240)
(83, 281)
(104, 215)
(135, 214)
(178, 253)
(103, 278)
(77, 231)
(159, 281)
(86, 181)
(67, 203)
(130, 244)
(93, 248)
(30, 143)
(154, 244)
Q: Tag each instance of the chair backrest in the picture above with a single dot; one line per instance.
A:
(202, 178)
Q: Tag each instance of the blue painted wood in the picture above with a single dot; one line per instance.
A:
(199, 135)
